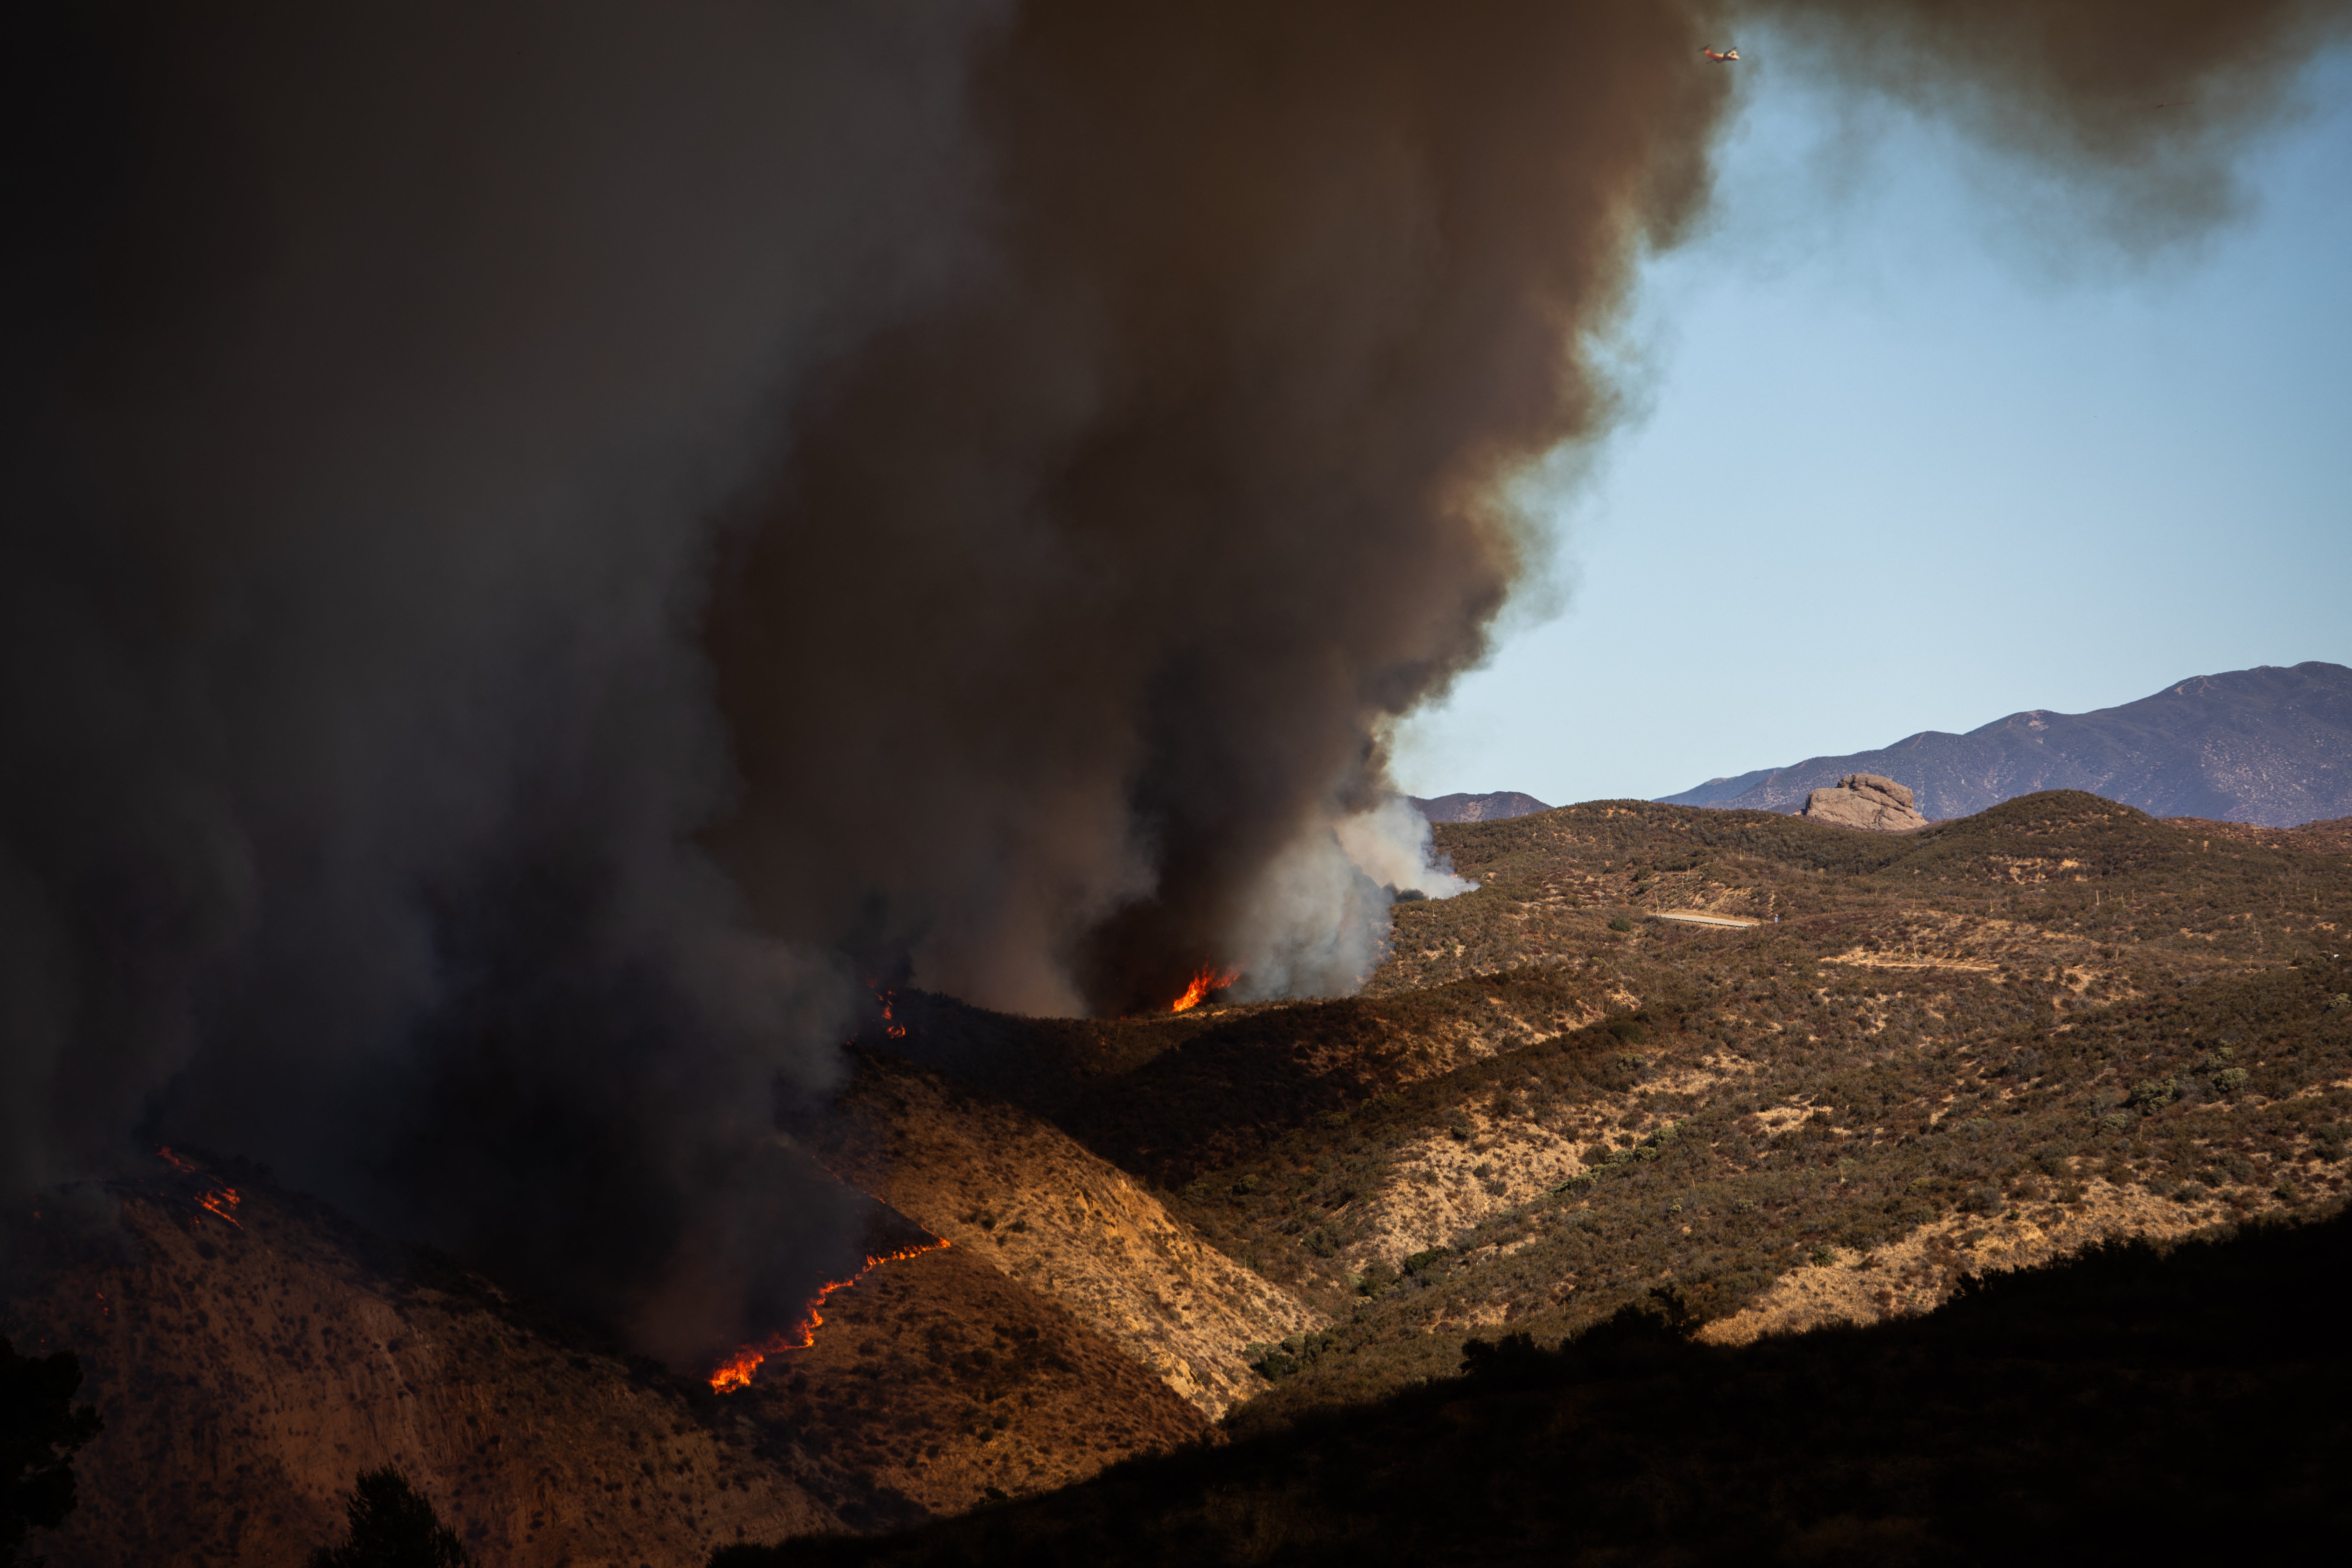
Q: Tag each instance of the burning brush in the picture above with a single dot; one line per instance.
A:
(220, 1200)
(736, 1372)
(1204, 981)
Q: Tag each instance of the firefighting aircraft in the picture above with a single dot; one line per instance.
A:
(1727, 54)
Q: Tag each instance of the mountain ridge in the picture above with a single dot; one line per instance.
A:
(2270, 747)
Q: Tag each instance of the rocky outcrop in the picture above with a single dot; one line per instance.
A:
(1497, 806)
(1866, 801)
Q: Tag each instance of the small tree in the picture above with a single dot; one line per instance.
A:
(40, 1429)
(392, 1527)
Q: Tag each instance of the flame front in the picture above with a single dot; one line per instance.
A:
(891, 1026)
(220, 1200)
(1206, 981)
(736, 1372)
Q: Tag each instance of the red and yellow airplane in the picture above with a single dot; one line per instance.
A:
(1727, 54)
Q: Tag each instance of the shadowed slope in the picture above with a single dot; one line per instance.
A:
(2053, 1408)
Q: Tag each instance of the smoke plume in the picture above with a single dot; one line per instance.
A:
(545, 541)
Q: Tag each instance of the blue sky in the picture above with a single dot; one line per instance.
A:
(1917, 451)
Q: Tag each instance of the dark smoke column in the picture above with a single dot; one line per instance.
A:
(375, 377)
(1074, 624)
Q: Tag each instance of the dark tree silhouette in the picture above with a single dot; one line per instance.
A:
(392, 1527)
(39, 1430)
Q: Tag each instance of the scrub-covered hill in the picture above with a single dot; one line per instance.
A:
(251, 1351)
(1979, 1045)
(1957, 1052)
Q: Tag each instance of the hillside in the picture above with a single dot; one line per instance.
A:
(1018, 1192)
(2123, 1406)
(2270, 746)
(1959, 1052)
(251, 1356)
(1979, 1045)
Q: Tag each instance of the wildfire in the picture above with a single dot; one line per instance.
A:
(1206, 981)
(736, 1372)
(218, 1200)
(890, 1026)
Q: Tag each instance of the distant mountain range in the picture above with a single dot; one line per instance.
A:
(2271, 746)
(1491, 807)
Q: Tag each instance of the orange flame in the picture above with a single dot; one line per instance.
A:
(1206, 981)
(895, 1030)
(737, 1371)
(211, 1198)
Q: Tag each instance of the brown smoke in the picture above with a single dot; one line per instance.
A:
(545, 539)
(2140, 108)
(1087, 593)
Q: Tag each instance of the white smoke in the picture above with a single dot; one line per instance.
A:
(1392, 844)
(1318, 924)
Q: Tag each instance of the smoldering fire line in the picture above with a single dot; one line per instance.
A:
(546, 542)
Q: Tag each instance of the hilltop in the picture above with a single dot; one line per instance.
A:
(2271, 746)
(1490, 807)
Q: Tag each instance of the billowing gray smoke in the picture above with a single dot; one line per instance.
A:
(391, 368)
(543, 541)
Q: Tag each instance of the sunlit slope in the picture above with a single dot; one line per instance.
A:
(1970, 1047)
(2063, 867)
(1016, 1193)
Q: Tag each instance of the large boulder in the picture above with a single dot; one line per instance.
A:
(1865, 801)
